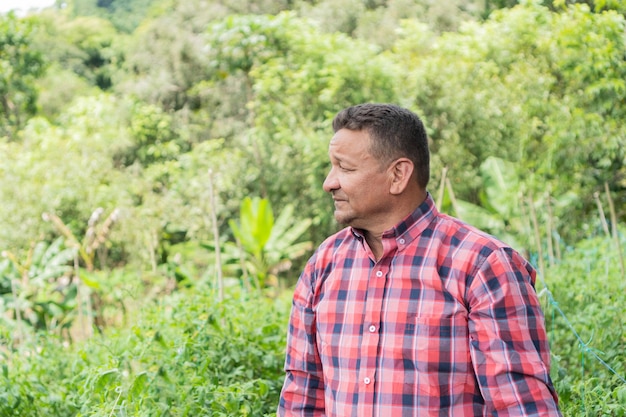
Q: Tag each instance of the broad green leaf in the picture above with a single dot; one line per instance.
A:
(139, 385)
(479, 217)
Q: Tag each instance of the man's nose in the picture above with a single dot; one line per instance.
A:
(330, 183)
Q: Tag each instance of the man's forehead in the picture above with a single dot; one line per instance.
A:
(349, 144)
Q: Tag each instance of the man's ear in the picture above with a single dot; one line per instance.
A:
(401, 172)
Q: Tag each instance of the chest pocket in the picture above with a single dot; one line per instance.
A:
(438, 349)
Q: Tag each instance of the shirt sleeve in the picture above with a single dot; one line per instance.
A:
(508, 341)
(303, 390)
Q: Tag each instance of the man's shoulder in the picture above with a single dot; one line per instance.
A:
(327, 253)
(467, 240)
(464, 233)
(335, 240)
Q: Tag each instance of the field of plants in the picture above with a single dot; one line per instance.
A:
(190, 354)
(161, 164)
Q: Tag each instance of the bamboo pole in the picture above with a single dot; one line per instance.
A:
(618, 245)
(18, 314)
(23, 272)
(247, 278)
(605, 224)
(216, 238)
(85, 307)
(152, 241)
(557, 242)
(442, 188)
(455, 205)
(549, 227)
(533, 217)
(526, 227)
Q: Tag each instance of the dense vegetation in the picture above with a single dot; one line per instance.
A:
(161, 165)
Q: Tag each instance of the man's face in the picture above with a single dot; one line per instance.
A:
(357, 181)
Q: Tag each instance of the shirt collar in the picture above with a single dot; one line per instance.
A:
(412, 226)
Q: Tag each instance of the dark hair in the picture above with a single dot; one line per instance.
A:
(394, 132)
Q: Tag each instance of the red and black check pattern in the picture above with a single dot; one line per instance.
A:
(446, 323)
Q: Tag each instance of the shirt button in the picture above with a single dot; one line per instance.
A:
(379, 274)
(401, 241)
(372, 328)
(367, 381)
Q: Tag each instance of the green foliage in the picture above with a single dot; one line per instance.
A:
(154, 137)
(63, 170)
(186, 355)
(20, 66)
(468, 86)
(270, 244)
(165, 58)
(589, 288)
(38, 290)
(58, 88)
(124, 15)
(89, 47)
(537, 88)
(500, 210)
(376, 21)
(297, 83)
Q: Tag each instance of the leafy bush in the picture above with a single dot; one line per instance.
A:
(186, 355)
(36, 291)
(589, 336)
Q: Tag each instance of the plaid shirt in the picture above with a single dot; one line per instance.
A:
(446, 323)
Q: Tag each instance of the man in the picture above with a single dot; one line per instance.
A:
(409, 312)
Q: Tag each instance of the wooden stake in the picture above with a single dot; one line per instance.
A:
(549, 231)
(618, 245)
(533, 217)
(526, 227)
(605, 224)
(455, 205)
(216, 238)
(442, 187)
(85, 311)
(18, 315)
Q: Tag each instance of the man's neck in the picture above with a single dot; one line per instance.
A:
(375, 242)
(374, 236)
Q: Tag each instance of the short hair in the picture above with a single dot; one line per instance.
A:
(394, 131)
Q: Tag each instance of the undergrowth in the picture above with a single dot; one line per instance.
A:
(187, 355)
(586, 323)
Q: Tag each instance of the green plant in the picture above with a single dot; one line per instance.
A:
(585, 312)
(267, 245)
(87, 250)
(185, 355)
(21, 64)
(42, 293)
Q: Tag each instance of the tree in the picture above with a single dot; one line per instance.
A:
(124, 15)
(541, 89)
(20, 66)
(90, 47)
(293, 79)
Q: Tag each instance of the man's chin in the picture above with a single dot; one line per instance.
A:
(343, 219)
